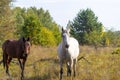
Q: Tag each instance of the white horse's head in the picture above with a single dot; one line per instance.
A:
(65, 37)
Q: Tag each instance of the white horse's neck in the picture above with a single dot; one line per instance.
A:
(63, 47)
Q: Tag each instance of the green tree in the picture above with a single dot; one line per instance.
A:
(29, 22)
(85, 24)
(31, 28)
(111, 37)
(18, 14)
(46, 37)
(94, 38)
(6, 20)
(56, 33)
(45, 18)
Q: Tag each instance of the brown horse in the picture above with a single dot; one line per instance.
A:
(16, 49)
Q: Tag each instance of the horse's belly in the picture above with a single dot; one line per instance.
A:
(65, 57)
(74, 52)
(11, 53)
(73, 48)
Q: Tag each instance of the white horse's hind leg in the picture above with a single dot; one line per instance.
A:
(74, 67)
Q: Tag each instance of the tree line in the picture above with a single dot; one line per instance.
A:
(38, 24)
(88, 30)
(31, 22)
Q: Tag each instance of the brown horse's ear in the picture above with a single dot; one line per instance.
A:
(23, 39)
(28, 39)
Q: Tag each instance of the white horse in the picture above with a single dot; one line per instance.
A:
(68, 51)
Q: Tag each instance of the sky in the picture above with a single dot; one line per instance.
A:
(107, 11)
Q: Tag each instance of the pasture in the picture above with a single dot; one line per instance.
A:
(42, 64)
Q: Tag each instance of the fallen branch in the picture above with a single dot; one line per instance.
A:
(42, 60)
(1, 62)
(13, 61)
(84, 59)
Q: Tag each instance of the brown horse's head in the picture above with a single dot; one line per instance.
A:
(25, 43)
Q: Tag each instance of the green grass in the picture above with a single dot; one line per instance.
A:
(42, 64)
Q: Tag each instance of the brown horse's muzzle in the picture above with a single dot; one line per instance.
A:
(25, 55)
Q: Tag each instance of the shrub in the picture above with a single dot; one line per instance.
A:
(116, 51)
(46, 37)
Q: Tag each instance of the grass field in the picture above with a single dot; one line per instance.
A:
(42, 64)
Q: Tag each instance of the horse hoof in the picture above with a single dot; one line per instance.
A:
(22, 78)
(68, 75)
(8, 74)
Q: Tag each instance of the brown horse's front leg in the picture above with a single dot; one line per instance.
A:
(7, 64)
(22, 64)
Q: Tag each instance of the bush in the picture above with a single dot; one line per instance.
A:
(116, 51)
(46, 37)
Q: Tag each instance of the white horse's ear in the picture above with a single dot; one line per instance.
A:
(68, 30)
(62, 29)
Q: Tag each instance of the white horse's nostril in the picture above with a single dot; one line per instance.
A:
(67, 46)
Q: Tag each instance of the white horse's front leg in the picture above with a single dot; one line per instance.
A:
(69, 67)
(61, 70)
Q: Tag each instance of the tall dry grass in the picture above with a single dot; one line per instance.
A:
(42, 64)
